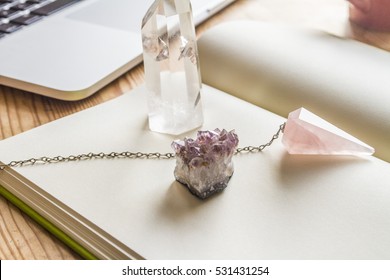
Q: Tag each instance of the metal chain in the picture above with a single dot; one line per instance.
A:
(253, 149)
(130, 155)
(89, 156)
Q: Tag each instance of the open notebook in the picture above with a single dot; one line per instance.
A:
(281, 68)
(275, 207)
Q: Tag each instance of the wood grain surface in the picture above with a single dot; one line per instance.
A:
(22, 238)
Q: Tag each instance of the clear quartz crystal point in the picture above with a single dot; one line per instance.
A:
(171, 64)
(306, 133)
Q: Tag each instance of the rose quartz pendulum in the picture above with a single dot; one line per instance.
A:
(306, 133)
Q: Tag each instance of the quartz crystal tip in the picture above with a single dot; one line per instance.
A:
(172, 73)
(205, 164)
(306, 133)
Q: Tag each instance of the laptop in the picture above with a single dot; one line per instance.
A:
(69, 49)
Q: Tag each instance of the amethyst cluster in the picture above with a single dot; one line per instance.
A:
(205, 164)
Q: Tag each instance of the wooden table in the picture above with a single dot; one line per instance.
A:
(22, 238)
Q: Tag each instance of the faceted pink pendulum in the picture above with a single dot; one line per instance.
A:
(306, 133)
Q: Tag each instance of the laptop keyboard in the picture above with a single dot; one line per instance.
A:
(15, 14)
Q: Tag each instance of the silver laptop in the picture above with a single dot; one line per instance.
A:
(69, 49)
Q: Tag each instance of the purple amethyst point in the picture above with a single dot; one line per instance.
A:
(205, 164)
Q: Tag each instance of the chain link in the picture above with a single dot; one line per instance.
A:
(89, 156)
(254, 149)
(129, 155)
